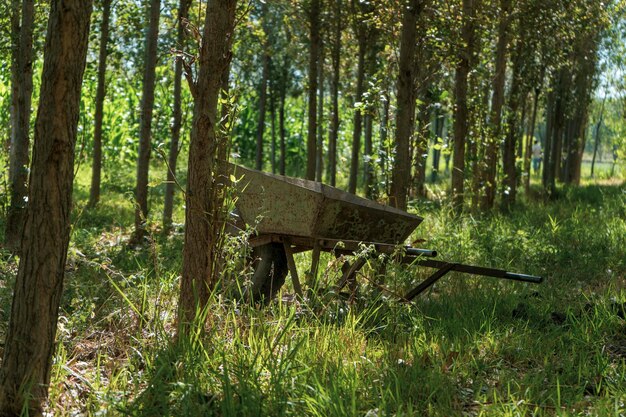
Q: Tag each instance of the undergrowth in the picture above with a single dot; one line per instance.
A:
(469, 346)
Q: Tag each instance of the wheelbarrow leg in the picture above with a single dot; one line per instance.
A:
(429, 281)
(315, 260)
(293, 271)
(349, 274)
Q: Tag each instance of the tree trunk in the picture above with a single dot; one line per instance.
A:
(15, 48)
(383, 147)
(319, 164)
(168, 205)
(368, 172)
(597, 136)
(421, 148)
(439, 124)
(203, 214)
(29, 344)
(358, 114)
(262, 101)
(272, 88)
(529, 143)
(20, 144)
(497, 101)
(145, 122)
(281, 122)
(314, 22)
(334, 93)
(405, 113)
(460, 98)
(96, 168)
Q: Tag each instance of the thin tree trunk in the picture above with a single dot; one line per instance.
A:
(597, 141)
(383, 148)
(358, 114)
(18, 170)
(262, 105)
(168, 205)
(314, 22)
(439, 123)
(15, 47)
(421, 148)
(203, 217)
(497, 101)
(334, 93)
(319, 164)
(405, 113)
(96, 168)
(529, 143)
(29, 345)
(273, 126)
(368, 172)
(281, 122)
(460, 111)
(145, 122)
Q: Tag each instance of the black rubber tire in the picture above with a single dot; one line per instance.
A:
(270, 271)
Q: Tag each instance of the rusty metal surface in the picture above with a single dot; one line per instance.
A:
(292, 206)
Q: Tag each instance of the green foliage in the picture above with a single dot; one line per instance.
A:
(469, 345)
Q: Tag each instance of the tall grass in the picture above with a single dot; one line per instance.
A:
(469, 346)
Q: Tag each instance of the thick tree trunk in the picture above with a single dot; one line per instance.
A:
(405, 113)
(334, 93)
(20, 143)
(460, 98)
(497, 101)
(145, 122)
(168, 204)
(96, 168)
(311, 143)
(319, 163)
(203, 213)
(29, 344)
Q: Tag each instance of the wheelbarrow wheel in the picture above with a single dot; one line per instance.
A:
(270, 271)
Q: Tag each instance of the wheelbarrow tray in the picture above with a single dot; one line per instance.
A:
(280, 205)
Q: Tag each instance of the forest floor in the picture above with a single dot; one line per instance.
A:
(469, 346)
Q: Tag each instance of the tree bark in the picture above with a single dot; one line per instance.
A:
(597, 136)
(460, 98)
(281, 122)
(319, 163)
(334, 93)
(311, 143)
(358, 115)
(29, 345)
(529, 143)
(497, 101)
(15, 47)
(145, 122)
(262, 96)
(204, 195)
(405, 113)
(20, 143)
(96, 168)
(177, 118)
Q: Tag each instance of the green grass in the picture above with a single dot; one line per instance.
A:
(470, 346)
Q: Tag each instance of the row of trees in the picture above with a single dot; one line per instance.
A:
(491, 72)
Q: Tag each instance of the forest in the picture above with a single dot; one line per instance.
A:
(211, 207)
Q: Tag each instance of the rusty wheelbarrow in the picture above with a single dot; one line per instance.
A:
(292, 215)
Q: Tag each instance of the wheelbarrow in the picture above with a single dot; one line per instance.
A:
(293, 215)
